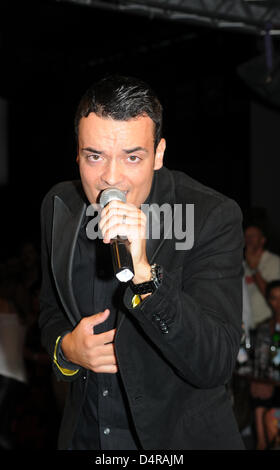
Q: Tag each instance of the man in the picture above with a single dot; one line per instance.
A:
(261, 266)
(147, 366)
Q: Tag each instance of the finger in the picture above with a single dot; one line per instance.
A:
(118, 208)
(120, 218)
(108, 336)
(105, 338)
(116, 226)
(131, 232)
(112, 217)
(116, 217)
(105, 350)
(106, 369)
(118, 205)
(104, 360)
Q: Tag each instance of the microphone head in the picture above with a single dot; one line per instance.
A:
(111, 194)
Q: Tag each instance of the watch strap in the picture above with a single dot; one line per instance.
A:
(148, 286)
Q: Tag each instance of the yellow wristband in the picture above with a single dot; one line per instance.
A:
(66, 372)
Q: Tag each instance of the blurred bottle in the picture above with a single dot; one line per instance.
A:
(262, 350)
(245, 350)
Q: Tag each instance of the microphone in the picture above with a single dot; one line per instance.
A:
(121, 256)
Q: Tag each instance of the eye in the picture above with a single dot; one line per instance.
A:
(93, 158)
(133, 158)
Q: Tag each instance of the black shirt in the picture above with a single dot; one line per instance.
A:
(105, 421)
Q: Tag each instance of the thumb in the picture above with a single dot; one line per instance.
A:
(100, 317)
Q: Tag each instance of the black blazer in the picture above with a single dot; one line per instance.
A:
(174, 380)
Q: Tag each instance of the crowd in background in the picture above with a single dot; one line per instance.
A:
(256, 383)
(31, 399)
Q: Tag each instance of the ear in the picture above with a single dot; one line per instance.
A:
(159, 154)
(78, 156)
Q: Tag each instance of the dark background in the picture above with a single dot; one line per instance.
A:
(51, 52)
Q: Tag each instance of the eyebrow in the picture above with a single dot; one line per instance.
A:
(135, 149)
(90, 149)
(127, 151)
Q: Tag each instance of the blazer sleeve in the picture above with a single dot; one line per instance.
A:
(53, 321)
(200, 304)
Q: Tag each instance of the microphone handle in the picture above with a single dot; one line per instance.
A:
(122, 260)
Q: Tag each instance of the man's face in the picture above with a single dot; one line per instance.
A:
(118, 154)
(254, 238)
(274, 301)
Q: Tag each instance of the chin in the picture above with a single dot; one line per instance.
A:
(132, 200)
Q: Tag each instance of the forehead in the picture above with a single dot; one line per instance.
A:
(253, 231)
(111, 131)
(275, 292)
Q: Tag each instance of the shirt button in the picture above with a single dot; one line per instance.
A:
(105, 393)
(107, 431)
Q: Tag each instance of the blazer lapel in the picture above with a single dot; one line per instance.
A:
(66, 225)
(162, 192)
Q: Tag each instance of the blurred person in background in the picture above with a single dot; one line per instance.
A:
(266, 396)
(261, 266)
(37, 417)
(271, 416)
(12, 336)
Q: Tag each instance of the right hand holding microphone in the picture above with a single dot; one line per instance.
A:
(92, 351)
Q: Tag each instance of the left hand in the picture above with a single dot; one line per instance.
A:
(119, 218)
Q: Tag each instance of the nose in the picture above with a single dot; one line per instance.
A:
(112, 175)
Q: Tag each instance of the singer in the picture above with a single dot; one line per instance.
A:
(147, 360)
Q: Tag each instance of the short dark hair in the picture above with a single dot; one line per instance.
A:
(121, 98)
(270, 286)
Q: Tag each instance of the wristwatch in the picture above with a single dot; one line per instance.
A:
(149, 286)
